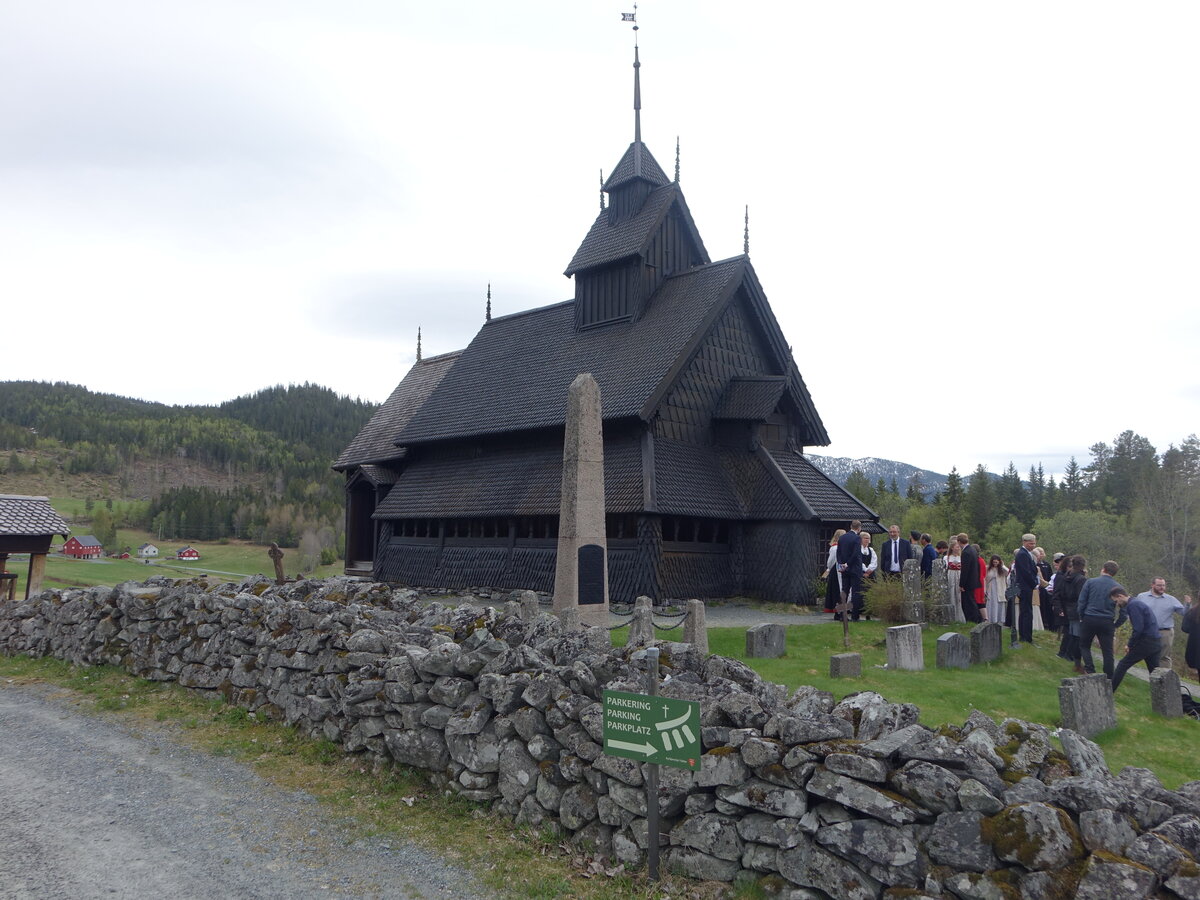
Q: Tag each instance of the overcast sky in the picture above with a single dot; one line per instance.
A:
(978, 224)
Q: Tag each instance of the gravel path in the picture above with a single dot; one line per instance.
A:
(91, 808)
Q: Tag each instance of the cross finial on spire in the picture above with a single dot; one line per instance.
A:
(418, 343)
(677, 159)
(488, 317)
(746, 239)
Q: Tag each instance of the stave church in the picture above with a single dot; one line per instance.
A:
(455, 481)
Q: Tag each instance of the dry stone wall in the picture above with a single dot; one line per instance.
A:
(814, 798)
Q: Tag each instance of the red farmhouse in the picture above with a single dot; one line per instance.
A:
(188, 553)
(83, 547)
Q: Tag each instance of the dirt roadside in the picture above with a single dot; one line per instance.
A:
(92, 807)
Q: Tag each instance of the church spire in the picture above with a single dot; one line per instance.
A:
(637, 107)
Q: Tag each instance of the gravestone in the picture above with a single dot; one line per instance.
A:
(953, 651)
(766, 641)
(904, 649)
(694, 630)
(276, 556)
(1086, 703)
(581, 567)
(529, 605)
(914, 590)
(641, 626)
(942, 611)
(987, 642)
(845, 665)
(1166, 697)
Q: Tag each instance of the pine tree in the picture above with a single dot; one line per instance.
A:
(1013, 499)
(858, 485)
(1072, 485)
(1037, 490)
(980, 502)
(953, 499)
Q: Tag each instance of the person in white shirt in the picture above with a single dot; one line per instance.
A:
(1165, 609)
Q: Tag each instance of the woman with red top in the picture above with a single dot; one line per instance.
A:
(980, 594)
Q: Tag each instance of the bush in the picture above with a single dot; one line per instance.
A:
(884, 600)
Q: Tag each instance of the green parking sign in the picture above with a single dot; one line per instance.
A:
(652, 729)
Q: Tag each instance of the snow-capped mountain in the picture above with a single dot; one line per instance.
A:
(839, 468)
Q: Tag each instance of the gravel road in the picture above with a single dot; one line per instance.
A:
(90, 807)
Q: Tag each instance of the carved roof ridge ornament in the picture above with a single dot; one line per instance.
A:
(418, 343)
(488, 314)
(746, 234)
(677, 159)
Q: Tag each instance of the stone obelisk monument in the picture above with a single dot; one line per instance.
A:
(581, 574)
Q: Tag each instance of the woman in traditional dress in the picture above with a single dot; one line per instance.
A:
(870, 562)
(953, 574)
(833, 583)
(1043, 611)
(994, 583)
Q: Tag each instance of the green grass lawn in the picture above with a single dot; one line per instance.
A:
(230, 561)
(1022, 684)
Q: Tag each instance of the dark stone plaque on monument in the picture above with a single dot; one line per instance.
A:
(591, 574)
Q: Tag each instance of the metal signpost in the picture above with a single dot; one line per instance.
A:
(655, 730)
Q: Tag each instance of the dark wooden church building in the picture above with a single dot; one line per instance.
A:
(455, 481)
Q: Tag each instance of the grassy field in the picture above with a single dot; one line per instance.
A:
(1022, 684)
(231, 560)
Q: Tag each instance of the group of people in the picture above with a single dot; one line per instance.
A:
(1094, 608)
(1029, 594)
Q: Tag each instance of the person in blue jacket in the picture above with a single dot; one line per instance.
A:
(1144, 644)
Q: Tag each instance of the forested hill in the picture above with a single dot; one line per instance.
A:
(305, 421)
(257, 466)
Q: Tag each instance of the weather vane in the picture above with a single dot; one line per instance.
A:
(631, 17)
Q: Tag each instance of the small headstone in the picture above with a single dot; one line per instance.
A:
(529, 605)
(914, 590)
(845, 665)
(1086, 703)
(953, 651)
(695, 632)
(904, 649)
(569, 616)
(987, 642)
(942, 612)
(766, 641)
(1166, 697)
(641, 626)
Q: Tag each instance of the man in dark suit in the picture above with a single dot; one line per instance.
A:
(968, 578)
(1026, 572)
(893, 553)
(849, 563)
(928, 555)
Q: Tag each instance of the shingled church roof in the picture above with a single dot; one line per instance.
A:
(827, 500)
(607, 242)
(377, 440)
(514, 375)
(628, 168)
